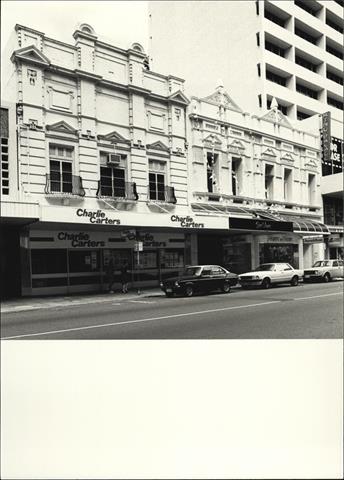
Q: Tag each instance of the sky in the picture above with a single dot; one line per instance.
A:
(120, 23)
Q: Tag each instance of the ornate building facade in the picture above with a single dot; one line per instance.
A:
(106, 162)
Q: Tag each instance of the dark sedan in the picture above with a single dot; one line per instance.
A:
(200, 279)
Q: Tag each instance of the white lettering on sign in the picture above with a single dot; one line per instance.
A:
(97, 216)
(186, 222)
(80, 240)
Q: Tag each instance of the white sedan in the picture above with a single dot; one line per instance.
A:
(324, 270)
(271, 273)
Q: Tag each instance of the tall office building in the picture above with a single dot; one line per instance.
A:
(290, 50)
(265, 49)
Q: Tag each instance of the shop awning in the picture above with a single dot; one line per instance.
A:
(302, 225)
(221, 209)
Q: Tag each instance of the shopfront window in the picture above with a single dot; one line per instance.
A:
(279, 253)
(49, 261)
(84, 261)
(172, 259)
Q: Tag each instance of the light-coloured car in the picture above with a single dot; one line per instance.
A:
(268, 274)
(324, 270)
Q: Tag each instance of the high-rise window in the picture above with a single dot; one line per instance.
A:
(4, 134)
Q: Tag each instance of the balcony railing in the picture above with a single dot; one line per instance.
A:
(127, 191)
(165, 195)
(64, 185)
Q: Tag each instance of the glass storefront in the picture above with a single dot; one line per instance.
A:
(279, 252)
(67, 270)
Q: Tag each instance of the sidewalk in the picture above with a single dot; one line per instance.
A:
(35, 303)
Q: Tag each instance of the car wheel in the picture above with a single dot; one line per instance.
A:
(266, 283)
(188, 290)
(327, 277)
(294, 281)
(226, 288)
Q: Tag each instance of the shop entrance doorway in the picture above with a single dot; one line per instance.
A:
(10, 263)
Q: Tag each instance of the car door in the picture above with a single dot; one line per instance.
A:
(277, 274)
(335, 269)
(217, 279)
(288, 272)
(341, 268)
(204, 282)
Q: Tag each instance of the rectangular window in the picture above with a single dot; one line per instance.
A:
(306, 36)
(274, 18)
(61, 168)
(274, 48)
(156, 186)
(335, 78)
(112, 182)
(258, 39)
(309, 92)
(287, 185)
(211, 173)
(258, 69)
(302, 115)
(4, 134)
(269, 181)
(335, 103)
(236, 176)
(334, 51)
(49, 261)
(274, 77)
(305, 63)
(311, 188)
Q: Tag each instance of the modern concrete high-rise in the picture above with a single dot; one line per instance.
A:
(290, 50)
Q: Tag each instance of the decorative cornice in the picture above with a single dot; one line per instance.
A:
(113, 137)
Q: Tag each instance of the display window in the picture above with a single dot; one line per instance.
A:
(84, 261)
(48, 261)
(172, 258)
(276, 253)
(119, 257)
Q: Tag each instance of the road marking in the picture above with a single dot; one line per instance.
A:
(139, 301)
(139, 320)
(318, 296)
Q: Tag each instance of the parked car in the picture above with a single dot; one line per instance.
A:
(324, 270)
(199, 279)
(271, 273)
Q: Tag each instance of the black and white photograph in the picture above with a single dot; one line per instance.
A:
(172, 251)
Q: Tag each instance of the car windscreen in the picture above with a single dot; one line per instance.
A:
(192, 271)
(322, 263)
(265, 267)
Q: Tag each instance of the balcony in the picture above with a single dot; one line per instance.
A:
(63, 186)
(162, 195)
(126, 192)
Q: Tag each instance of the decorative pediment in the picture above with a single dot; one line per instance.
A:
(213, 140)
(113, 137)
(310, 162)
(31, 54)
(179, 97)
(269, 152)
(288, 157)
(158, 146)
(236, 147)
(62, 127)
(220, 98)
(276, 116)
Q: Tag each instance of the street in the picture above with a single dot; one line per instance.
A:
(307, 311)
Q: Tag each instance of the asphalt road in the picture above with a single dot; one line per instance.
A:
(307, 311)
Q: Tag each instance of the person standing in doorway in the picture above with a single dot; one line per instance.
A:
(124, 277)
(110, 272)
